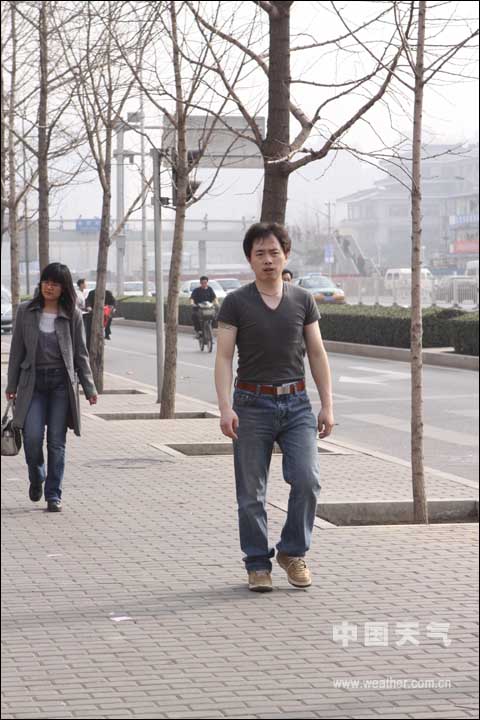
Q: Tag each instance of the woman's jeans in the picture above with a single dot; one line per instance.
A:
(49, 406)
(289, 421)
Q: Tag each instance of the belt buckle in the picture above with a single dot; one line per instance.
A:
(283, 389)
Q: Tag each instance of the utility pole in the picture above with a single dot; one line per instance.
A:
(329, 234)
(119, 153)
(144, 197)
(25, 216)
(157, 206)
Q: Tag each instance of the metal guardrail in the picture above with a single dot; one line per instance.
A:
(445, 292)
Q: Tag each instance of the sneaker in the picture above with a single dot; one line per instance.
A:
(54, 506)
(260, 581)
(35, 491)
(297, 570)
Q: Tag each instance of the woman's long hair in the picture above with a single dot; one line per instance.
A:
(58, 273)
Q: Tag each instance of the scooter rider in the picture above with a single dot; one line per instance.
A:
(204, 293)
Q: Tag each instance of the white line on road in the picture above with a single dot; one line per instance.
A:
(154, 355)
(358, 380)
(392, 374)
(430, 431)
(465, 413)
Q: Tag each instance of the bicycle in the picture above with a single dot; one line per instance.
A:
(206, 316)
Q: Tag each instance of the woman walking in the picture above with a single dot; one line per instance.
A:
(48, 350)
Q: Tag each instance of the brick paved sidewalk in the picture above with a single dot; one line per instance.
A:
(132, 603)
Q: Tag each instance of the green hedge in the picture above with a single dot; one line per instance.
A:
(365, 324)
(386, 326)
(464, 334)
(136, 308)
(140, 308)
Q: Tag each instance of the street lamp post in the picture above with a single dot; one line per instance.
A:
(120, 240)
(157, 208)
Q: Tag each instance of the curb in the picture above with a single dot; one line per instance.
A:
(441, 357)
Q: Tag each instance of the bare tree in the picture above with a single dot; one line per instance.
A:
(432, 52)
(420, 506)
(49, 135)
(190, 89)
(424, 67)
(14, 187)
(283, 154)
(103, 85)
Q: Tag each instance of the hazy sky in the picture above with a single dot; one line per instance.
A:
(450, 115)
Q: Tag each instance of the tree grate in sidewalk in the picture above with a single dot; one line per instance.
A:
(397, 512)
(128, 463)
(155, 415)
(226, 448)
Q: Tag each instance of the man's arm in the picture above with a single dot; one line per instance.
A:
(320, 368)
(226, 338)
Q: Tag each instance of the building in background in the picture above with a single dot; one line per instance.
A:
(378, 218)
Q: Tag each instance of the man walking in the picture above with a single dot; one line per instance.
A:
(269, 320)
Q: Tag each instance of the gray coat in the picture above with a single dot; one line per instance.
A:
(21, 365)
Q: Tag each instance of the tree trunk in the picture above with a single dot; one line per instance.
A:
(277, 141)
(97, 340)
(3, 154)
(12, 166)
(167, 407)
(420, 507)
(43, 186)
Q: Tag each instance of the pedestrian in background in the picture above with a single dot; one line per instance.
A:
(81, 290)
(109, 303)
(47, 351)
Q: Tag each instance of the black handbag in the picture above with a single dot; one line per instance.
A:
(11, 435)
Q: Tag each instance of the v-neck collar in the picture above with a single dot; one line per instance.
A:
(263, 301)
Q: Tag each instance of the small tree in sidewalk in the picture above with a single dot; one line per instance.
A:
(424, 66)
(103, 85)
(188, 90)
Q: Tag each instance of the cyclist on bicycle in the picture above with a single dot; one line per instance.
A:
(204, 293)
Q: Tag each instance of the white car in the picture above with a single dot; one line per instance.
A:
(229, 284)
(134, 288)
(6, 311)
(187, 288)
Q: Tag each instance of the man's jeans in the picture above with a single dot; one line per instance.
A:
(289, 421)
(49, 406)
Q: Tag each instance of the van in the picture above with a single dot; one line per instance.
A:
(471, 269)
(401, 277)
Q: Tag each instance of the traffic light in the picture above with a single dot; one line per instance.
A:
(192, 185)
(174, 178)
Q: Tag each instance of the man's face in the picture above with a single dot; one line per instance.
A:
(204, 284)
(286, 277)
(83, 285)
(267, 258)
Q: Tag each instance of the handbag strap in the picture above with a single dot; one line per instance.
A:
(7, 409)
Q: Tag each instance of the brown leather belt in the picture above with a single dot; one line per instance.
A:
(286, 389)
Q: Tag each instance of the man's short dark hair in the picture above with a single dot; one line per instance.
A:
(204, 277)
(81, 281)
(263, 230)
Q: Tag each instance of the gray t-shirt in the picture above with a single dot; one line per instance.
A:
(270, 342)
(48, 349)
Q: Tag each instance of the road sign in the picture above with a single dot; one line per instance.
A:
(223, 144)
(329, 254)
(87, 225)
